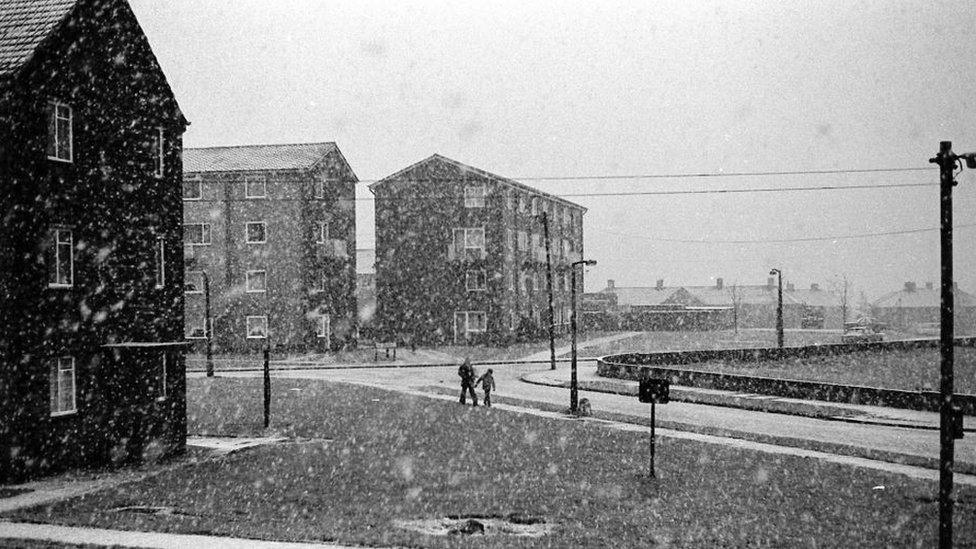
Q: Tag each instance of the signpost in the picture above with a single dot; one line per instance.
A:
(653, 391)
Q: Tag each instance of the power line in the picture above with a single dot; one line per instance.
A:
(703, 175)
(783, 240)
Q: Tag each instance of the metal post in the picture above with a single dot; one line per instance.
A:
(947, 163)
(652, 440)
(552, 316)
(573, 387)
(779, 312)
(267, 387)
(208, 324)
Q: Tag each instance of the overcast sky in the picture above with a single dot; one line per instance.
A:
(621, 88)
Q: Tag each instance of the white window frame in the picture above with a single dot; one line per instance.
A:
(160, 262)
(163, 389)
(57, 137)
(323, 327)
(521, 202)
(247, 281)
(192, 274)
(247, 326)
(465, 232)
(159, 146)
(523, 241)
(322, 232)
(198, 181)
(193, 329)
(58, 243)
(206, 235)
(58, 388)
(534, 201)
(247, 232)
(249, 179)
(480, 284)
(475, 195)
(510, 199)
(468, 329)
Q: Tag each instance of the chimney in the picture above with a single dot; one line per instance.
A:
(769, 282)
(610, 285)
(660, 284)
(790, 287)
(928, 285)
(909, 287)
(719, 283)
(815, 287)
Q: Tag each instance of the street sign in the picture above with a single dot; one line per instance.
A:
(654, 391)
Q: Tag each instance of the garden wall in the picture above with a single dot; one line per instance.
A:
(630, 366)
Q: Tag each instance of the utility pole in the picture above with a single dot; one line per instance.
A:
(208, 324)
(552, 316)
(947, 163)
(779, 308)
(573, 380)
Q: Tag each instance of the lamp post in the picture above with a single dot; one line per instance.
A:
(573, 383)
(779, 308)
(552, 317)
(207, 324)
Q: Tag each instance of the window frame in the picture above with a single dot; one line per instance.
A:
(55, 406)
(159, 153)
(163, 385)
(204, 327)
(187, 276)
(475, 195)
(247, 281)
(322, 232)
(480, 277)
(159, 250)
(206, 234)
(199, 184)
(56, 137)
(323, 327)
(247, 189)
(247, 232)
(247, 326)
(56, 234)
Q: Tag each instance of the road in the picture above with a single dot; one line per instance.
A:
(871, 438)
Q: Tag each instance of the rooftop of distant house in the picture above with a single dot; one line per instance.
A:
(719, 294)
(911, 296)
(246, 158)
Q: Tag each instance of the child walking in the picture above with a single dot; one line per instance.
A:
(487, 382)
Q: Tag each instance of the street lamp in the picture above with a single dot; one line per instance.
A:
(544, 219)
(573, 384)
(779, 308)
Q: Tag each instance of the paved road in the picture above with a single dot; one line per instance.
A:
(911, 442)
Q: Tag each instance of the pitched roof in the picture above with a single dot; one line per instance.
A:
(300, 156)
(24, 25)
(478, 171)
(922, 298)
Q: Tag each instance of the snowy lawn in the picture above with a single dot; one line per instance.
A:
(400, 457)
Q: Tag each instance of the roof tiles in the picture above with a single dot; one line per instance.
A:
(24, 24)
(255, 157)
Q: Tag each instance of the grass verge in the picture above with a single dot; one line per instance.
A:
(395, 456)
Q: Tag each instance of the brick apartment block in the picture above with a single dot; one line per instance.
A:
(460, 255)
(273, 228)
(91, 265)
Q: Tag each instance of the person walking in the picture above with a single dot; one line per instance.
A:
(487, 383)
(466, 372)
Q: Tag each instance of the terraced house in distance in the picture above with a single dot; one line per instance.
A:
(91, 264)
(270, 238)
(461, 255)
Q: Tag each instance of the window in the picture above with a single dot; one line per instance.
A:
(160, 262)
(192, 189)
(159, 151)
(468, 244)
(318, 283)
(196, 234)
(510, 199)
(509, 241)
(466, 322)
(322, 232)
(256, 232)
(521, 203)
(567, 217)
(162, 389)
(59, 132)
(63, 386)
(535, 205)
(536, 239)
(198, 331)
(256, 281)
(61, 259)
(476, 281)
(255, 186)
(257, 327)
(523, 241)
(474, 196)
(193, 282)
(323, 328)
